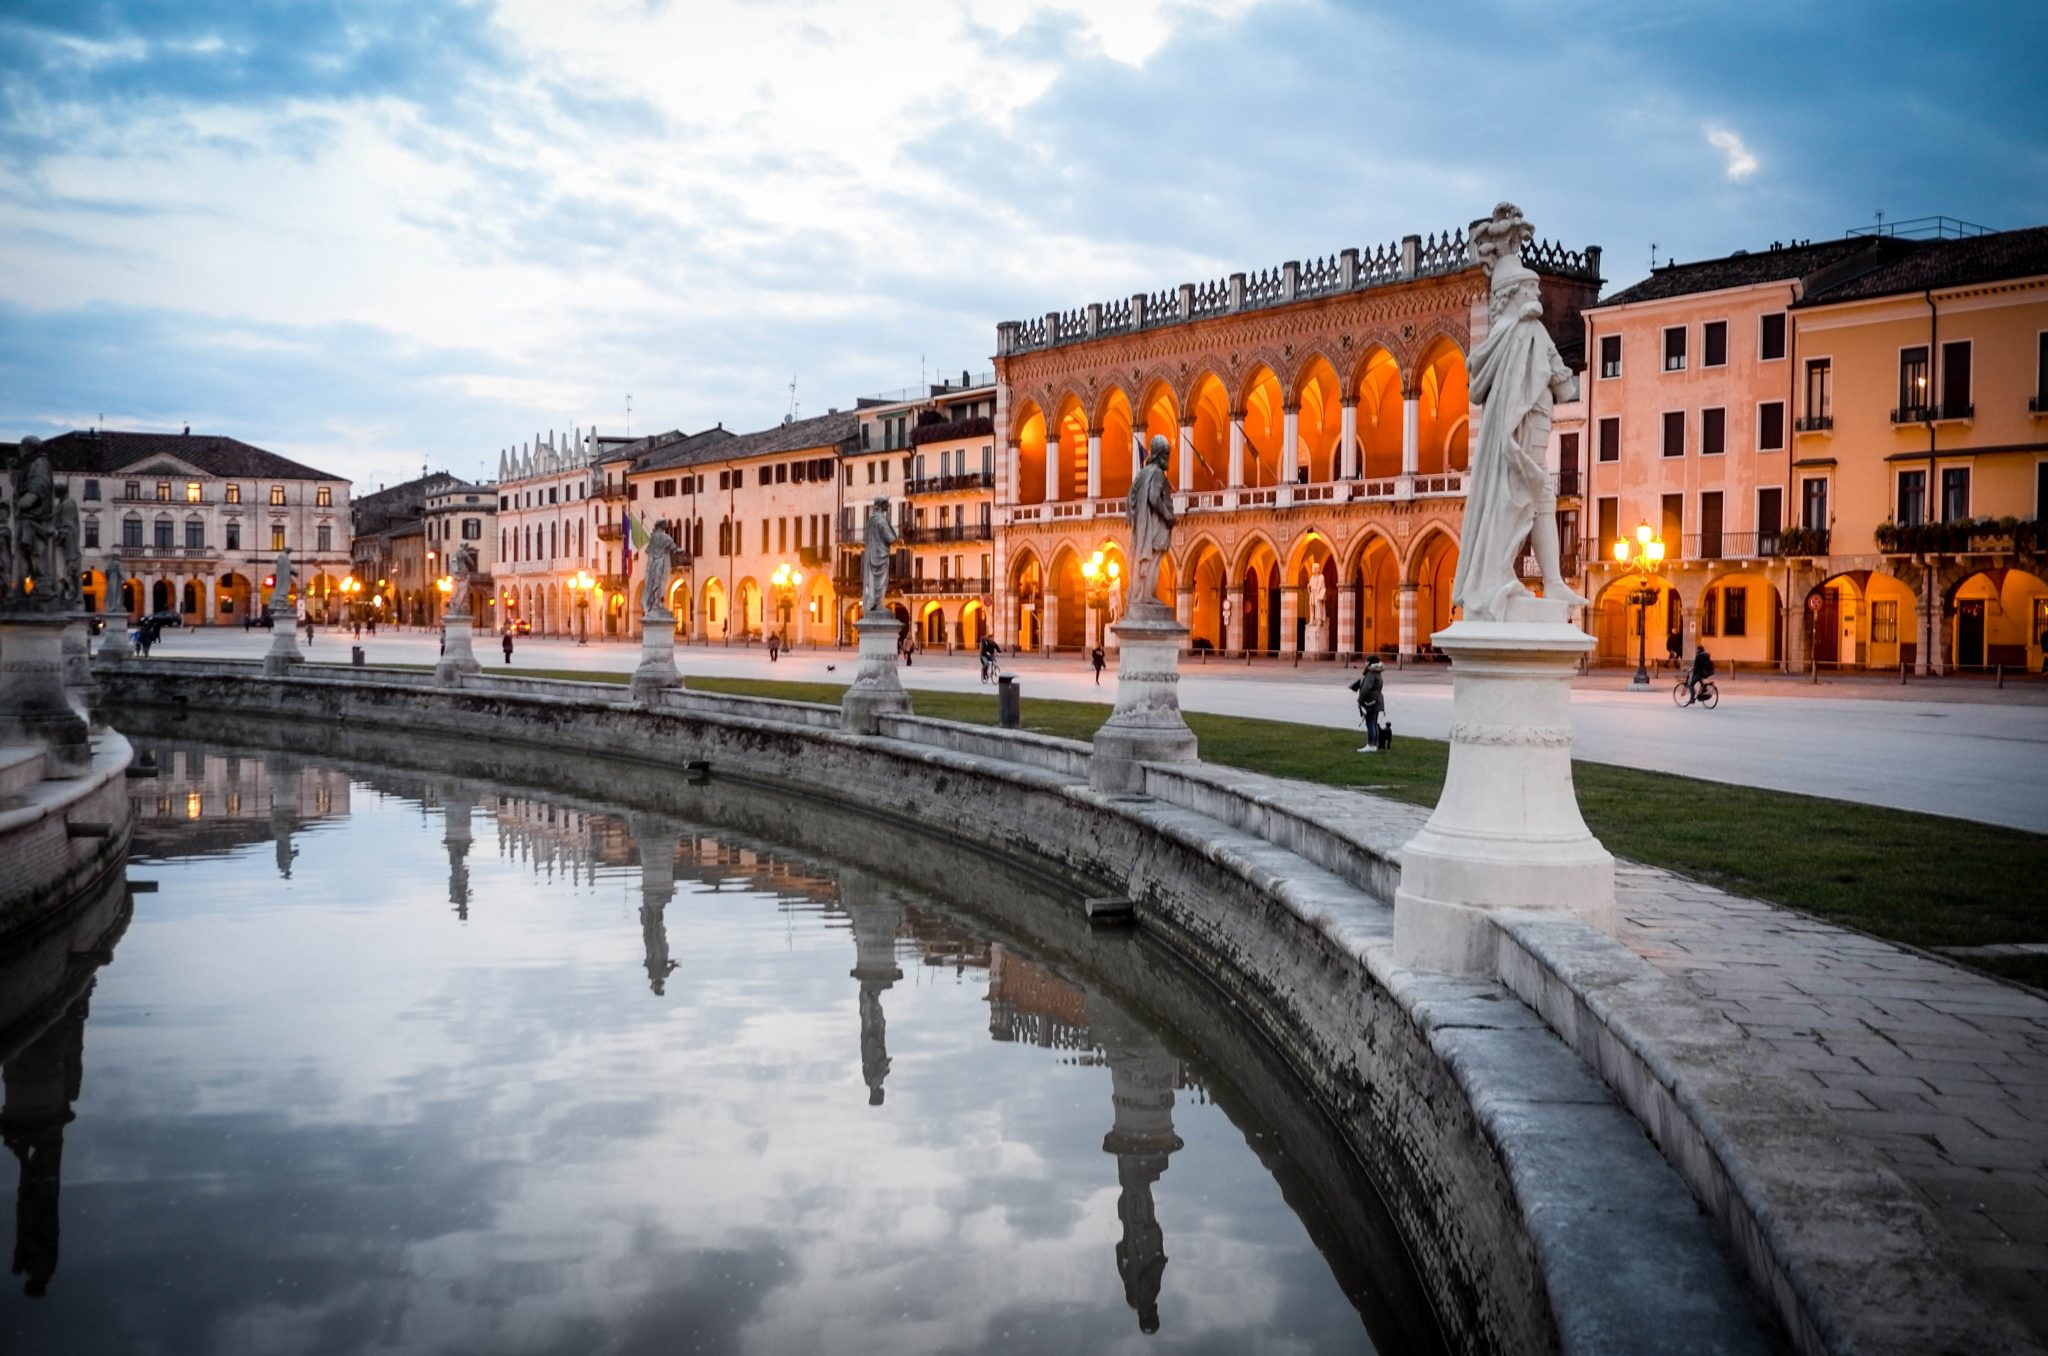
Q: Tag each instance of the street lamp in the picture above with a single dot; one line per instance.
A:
(785, 580)
(583, 584)
(1649, 554)
(351, 605)
(1099, 576)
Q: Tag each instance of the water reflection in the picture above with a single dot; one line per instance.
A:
(353, 1123)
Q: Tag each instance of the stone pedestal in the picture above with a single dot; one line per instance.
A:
(34, 706)
(876, 690)
(78, 683)
(114, 642)
(657, 669)
(1506, 833)
(1146, 726)
(457, 658)
(284, 644)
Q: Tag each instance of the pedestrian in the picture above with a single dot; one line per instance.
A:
(774, 647)
(1096, 658)
(444, 640)
(1674, 649)
(1371, 689)
(508, 645)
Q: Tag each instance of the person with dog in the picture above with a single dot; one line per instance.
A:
(1371, 689)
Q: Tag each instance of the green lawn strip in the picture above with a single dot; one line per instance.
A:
(1921, 879)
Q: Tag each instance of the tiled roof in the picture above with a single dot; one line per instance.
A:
(678, 448)
(1749, 269)
(825, 430)
(101, 452)
(1937, 264)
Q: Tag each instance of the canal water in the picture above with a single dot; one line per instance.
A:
(397, 1060)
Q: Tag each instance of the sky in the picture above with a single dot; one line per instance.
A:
(385, 236)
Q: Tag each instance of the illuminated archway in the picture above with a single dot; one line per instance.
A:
(1027, 597)
(1266, 460)
(1741, 615)
(1031, 435)
(973, 623)
(1378, 415)
(1118, 455)
(1069, 620)
(1432, 567)
(232, 597)
(1995, 620)
(1315, 609)
(1210, 582)
(1442, 411)
(1069, 450)
(1376, 617)
(1615, 619)
(1256, 584)
(1162, 419)
(1319, 420)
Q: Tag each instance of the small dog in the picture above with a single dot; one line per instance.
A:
(1386, 736)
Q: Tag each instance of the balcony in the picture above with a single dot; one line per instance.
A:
(600, 490)
(1954, 411)
(610, 531)
(948, 532)
(1568, 484)
(967, 481)
(1820, 423)
(958, 585)
(140, 552)
(952, 431)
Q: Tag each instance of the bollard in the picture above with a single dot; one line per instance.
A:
(1009, 703)
(2001, 677)
(355, 655)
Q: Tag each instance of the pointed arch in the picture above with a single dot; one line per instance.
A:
(1440, 385)
(1029, 437)
(1113, 416)
(1067, 446)
(1376, 385)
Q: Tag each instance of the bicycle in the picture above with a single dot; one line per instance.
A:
(1709, 694)
(991, 671)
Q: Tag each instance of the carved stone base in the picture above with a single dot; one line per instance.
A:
(114, 643)
(876, 690)
(457, 656)
(657, 669)
(34, 706)
(284, 643)
(1146, 726)
(1506, 833)
(78, 681)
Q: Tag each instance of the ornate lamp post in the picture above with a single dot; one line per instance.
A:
(583, 584)
(1649, 554)
(785, 581)
(1099, 576)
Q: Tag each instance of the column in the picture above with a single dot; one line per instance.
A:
(1052, 462)
(1237, 449)
(1094, 463)
(1347, 440)
(1405, 619)
(1290, 613)
(1347, 618)
(1010, 491)
(1049, 618)
(1411, 432)
(1185, 480)
(1290, 453)
(1184, 606)
(1932, 657)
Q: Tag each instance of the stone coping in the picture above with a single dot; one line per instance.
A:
(42, 864)
(1844, 1256)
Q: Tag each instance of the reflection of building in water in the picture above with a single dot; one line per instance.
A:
(1142, 1075)
(657, 844)
(556, 838)
(42, 1082)
(203, 800)
(876, 915)
(1030, 1004)
(458, 806)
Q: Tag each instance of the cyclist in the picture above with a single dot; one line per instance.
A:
(988, 656)
(1702, 669)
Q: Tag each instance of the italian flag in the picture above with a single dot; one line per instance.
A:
(634, 537)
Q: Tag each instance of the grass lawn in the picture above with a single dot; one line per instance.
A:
(1920, 879)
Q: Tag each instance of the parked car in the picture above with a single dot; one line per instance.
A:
(167, 617)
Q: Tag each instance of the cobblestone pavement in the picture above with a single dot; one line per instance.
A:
(1943, 1072)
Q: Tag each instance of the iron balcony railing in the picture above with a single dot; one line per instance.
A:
(1815, 423)
(1933, 413)
(957, 584)
(971, 480)
(1567, 484)
(948, 532)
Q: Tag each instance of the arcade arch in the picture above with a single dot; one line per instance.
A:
(1997, 618)
(1432, 568)
(1442, 412)
(1378, 415)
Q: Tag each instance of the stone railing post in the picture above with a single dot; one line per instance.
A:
(1290, 280)
(1411, 255)
(1347, 269)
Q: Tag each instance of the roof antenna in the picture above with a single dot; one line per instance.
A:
(629, 414)
(1653, 256)
(790, 417)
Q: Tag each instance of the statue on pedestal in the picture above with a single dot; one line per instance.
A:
(1516, 379)
(281, 590)
(878, 536)
(1149, 510)
(461, 565)
(35, 526)
(117, 579)
(70, 560)
(1316, 614)
(659, 553)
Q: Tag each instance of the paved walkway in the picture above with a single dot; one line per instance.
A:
(1961, 747)
(1940, 1071)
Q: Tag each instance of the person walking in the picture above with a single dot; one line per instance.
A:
(1371, 689)
(1096, 658)
(508, 645)
(774, 646)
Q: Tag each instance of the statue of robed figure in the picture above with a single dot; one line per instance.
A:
(281, 590)
(659, 554)
(1517, 378)
(462, 564)
(878, 535)
(1149, 510)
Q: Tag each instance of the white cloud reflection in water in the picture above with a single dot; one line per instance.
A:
(327, 1113)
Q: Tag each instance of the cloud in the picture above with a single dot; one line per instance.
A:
(1741, 161)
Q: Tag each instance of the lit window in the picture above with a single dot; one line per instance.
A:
(191, 491)
(277, 494)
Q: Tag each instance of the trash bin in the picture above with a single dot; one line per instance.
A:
(1009, 703)
(355, 655)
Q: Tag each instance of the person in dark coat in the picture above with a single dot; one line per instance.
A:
(1096, 658)
(1371, 689)
(508, 645)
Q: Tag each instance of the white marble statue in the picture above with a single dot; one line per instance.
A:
(1516, 379)
(281, 590)
(1150, 513)
(659, 553)
(117, 579)
(878, 536)
(1316, 597)
(461, 565)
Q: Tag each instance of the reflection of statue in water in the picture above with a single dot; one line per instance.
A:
(41, 1084)
(875, 917)
(1516, 378)
(878, 536)
(461, 566)
(654, 943)
(1149, 510)
(659, 554)
(1142, 1074)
